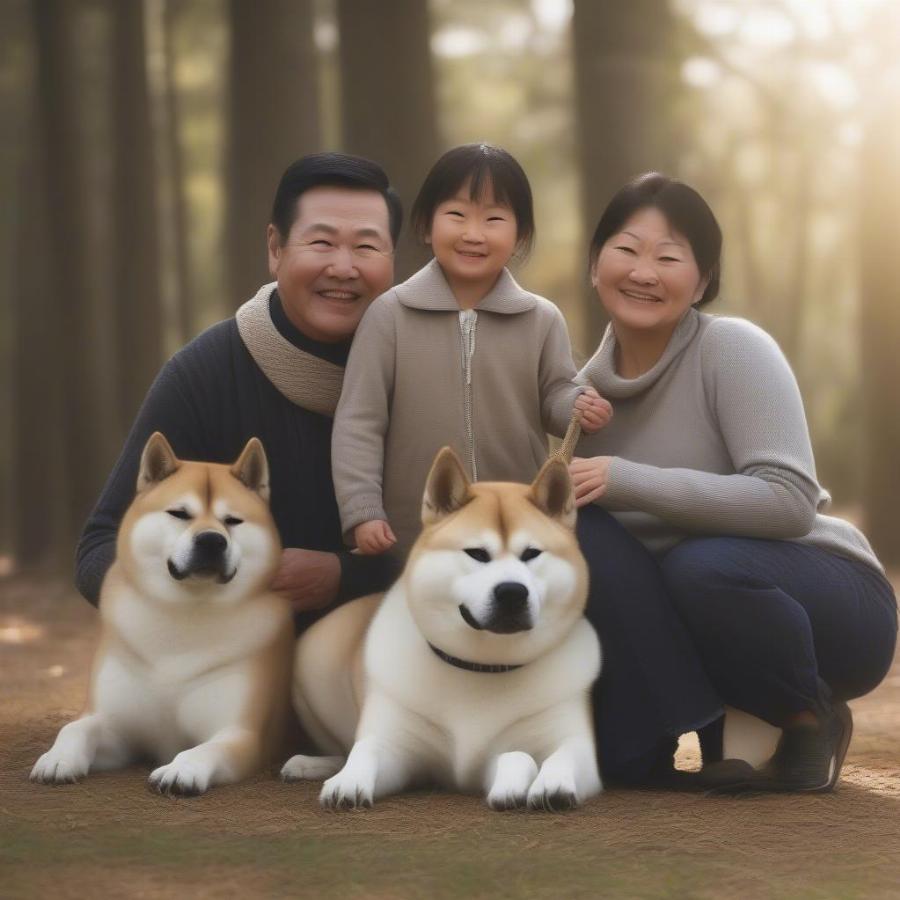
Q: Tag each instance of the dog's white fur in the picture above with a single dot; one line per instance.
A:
(191, 670)
(366, 678)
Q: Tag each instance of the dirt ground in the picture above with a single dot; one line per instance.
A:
(109, 836)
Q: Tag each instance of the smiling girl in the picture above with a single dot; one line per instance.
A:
(459, 354)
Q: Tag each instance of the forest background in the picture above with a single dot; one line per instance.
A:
(143, 140)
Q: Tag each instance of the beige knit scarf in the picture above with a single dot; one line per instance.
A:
(310, 382)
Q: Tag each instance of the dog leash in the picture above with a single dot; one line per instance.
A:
(567, 448)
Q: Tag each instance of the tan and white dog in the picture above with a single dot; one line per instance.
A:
(195, 652)
(474, 671)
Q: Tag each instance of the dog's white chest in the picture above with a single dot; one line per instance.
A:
(457, 721)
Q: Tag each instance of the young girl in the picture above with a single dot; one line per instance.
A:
(459, 354)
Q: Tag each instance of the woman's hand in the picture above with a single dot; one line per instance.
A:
(374, 537)
(595, 411)
(589, 476)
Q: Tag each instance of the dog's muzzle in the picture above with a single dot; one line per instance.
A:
(208, 559)
(509, 610)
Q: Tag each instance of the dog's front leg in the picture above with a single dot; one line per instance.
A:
(509, 779)
(567, 777)
(228, 756)
(377, 765)
(88, 742)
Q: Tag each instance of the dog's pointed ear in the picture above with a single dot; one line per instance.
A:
(252, 468)
(446, 488)
(552, 492)
(158, 461)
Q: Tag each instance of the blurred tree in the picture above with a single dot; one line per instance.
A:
(61, 353)
(135, 258)
(387, 97)
(880, 320)
(627, 80)
(176, 242)
(274, 119)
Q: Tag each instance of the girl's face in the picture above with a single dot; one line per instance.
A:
(473, 239)
(646, 275)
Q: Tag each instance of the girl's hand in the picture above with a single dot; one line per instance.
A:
(374, 537)
(589, 476)
(595, 411)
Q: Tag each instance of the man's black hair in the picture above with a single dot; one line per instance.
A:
(332, 170)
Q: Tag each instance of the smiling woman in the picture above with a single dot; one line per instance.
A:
(779, 611)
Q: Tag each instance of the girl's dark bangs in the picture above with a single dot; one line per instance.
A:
(488, 178)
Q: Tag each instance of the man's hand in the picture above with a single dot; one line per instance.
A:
(374, 537)
(595, 411)
(589, 476)
(308, 578)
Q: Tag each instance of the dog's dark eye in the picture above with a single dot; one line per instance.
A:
(478, 553)
(233, 520)
(179, 513)
(530, 553)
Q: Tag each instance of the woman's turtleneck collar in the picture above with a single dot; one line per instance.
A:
(600, 370)
(333, 353)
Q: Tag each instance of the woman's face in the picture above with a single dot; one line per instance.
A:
(646, 275)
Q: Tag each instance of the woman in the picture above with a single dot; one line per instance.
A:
(707, 461)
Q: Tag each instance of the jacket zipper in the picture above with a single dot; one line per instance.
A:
(468, 319)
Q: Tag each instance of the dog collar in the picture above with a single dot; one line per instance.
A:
(472, 666)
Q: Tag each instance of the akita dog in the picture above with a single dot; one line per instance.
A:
(474, 671)
(195, 652)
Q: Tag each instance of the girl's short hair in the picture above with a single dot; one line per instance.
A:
(686, 211)
(486, 168)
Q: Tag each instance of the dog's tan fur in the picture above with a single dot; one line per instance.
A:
(195, 667)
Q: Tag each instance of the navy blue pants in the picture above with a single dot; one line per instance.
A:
(782, 627)
(771, 627)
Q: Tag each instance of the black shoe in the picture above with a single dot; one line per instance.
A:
(808, 758)
(726, 776)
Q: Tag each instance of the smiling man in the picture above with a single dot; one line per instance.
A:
(274, 371)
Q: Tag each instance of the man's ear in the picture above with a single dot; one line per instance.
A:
(275, 245)
(252, 468)
(552, 492)
(446, 488)
(158, 461)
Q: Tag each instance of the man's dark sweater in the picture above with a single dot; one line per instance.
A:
(208, 401)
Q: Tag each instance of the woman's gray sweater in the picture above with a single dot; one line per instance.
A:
(713, 441)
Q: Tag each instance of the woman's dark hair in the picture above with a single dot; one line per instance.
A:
(332, 170)
(687, 212)
(486, 168)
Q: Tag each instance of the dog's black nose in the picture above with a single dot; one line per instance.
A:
(210, 543)
(509, 609)
(511, 595)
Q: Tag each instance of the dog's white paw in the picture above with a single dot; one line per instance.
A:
(181, 776)
(554, 788)
(514, 773)
(346, 791)
(311, 768)
(59, 767)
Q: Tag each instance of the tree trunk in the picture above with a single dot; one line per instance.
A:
(39, 513)
(626, 84)
(880, 325)
(63, 355)
(136, 258)
(274, 120)
(387, 98)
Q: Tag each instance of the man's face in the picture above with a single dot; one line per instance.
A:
(337, 258)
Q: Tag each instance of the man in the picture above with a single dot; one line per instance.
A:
(274, 371)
